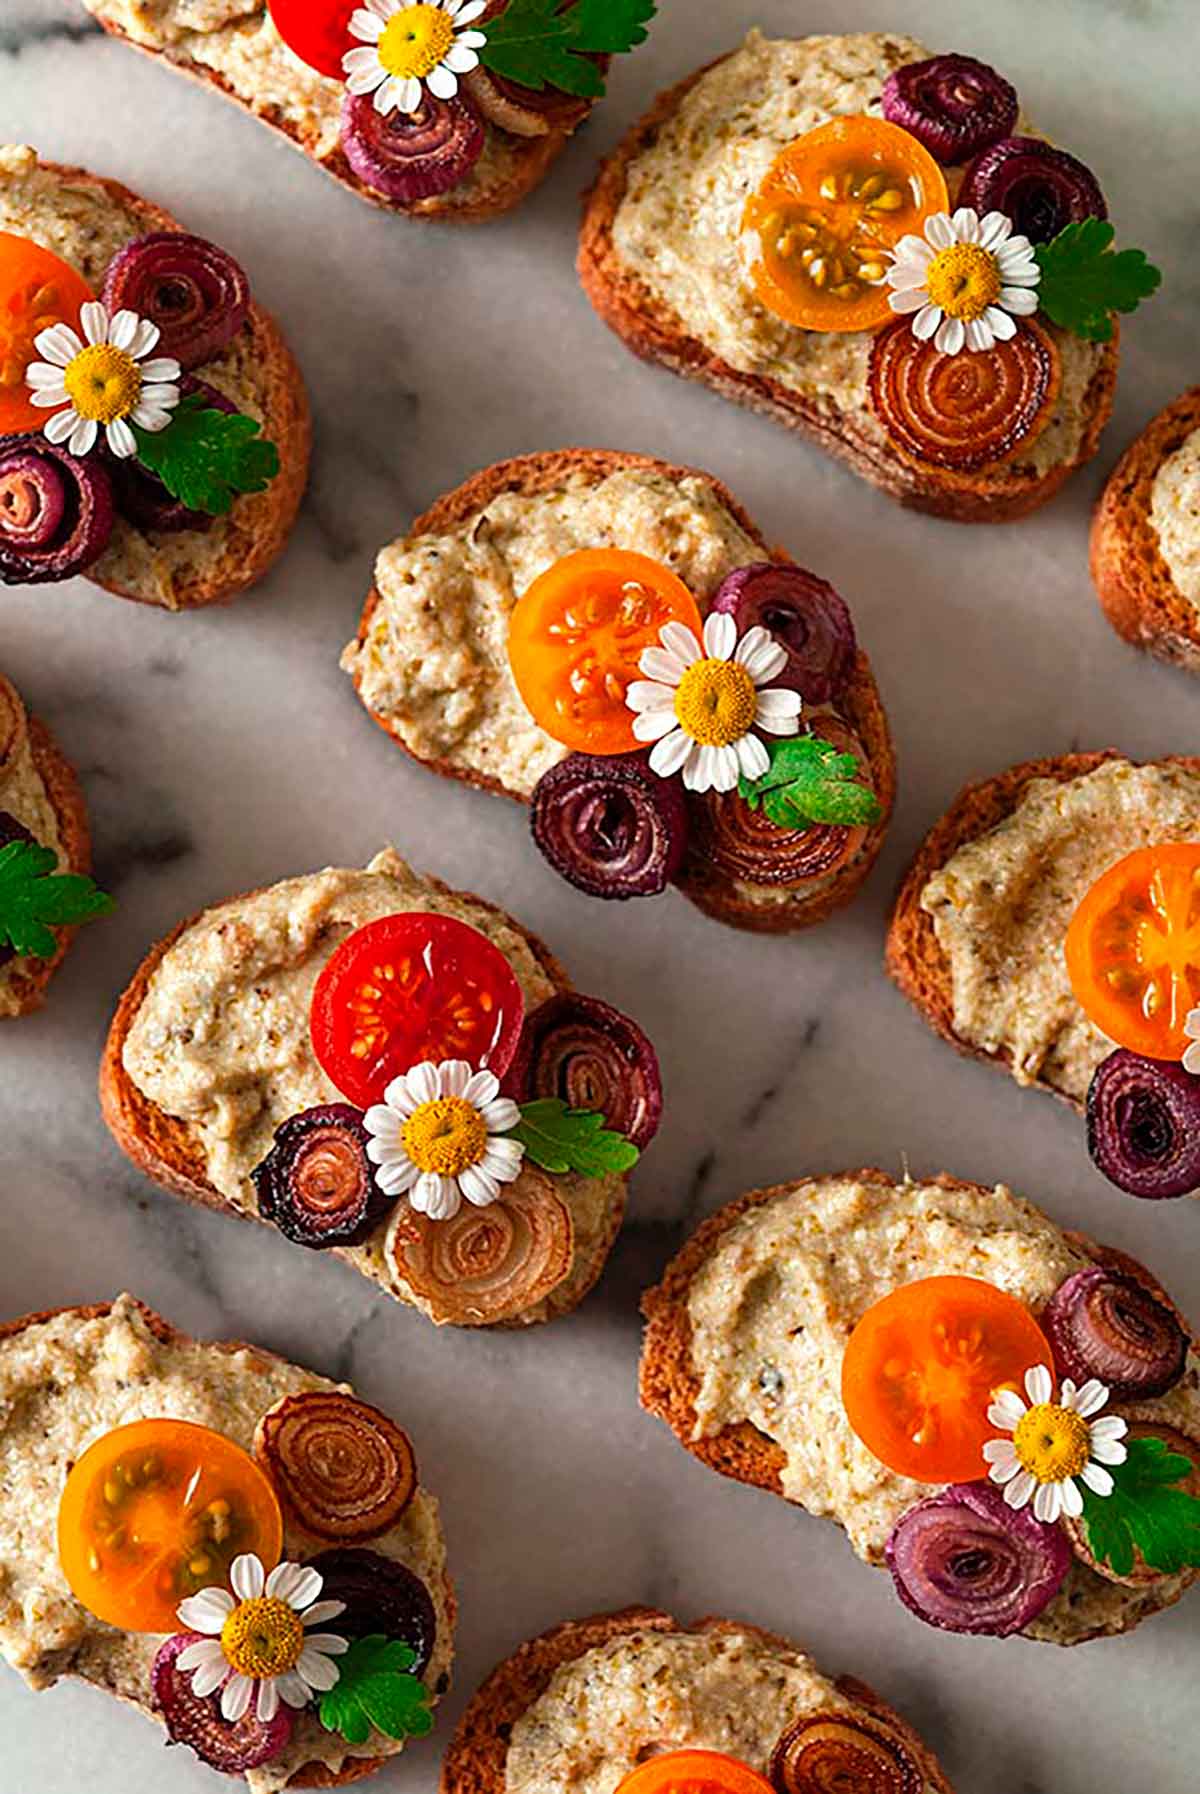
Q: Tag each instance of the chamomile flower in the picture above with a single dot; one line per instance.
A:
(964, 280)
(1052, 1444)
(104, 379)
(436, 1138)
(408, 48)
(257, 1644)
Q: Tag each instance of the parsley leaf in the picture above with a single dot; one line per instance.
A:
(809, 780)
(542, 43)
(561, 1139)
(373, 1689)
(205, 458)
(1144, 1513)
(35, 897)
(1084, 280)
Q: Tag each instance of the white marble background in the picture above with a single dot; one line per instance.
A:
(225, 750)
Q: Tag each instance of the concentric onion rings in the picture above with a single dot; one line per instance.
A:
(486, 1264)
(342, 1470)
(834, 1752)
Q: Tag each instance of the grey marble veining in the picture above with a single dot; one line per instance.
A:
(224, 750)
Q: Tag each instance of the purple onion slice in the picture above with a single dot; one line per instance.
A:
(56, 511)
(963, 1560)
(1103, 1324)
(317, 1184)
(1143, 1125)
(195, 1720)
(412, 155)
(1040, 188)
(593, 1057)
(140, 496)
(805, 615)
(12, 830)
(953, 105)
(609, 825)
(195, 292)
(381, 1595)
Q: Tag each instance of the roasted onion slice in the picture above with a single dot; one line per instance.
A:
(1042, 189)
(1103, 1324)
(232, 1746)
(341, 1469)
(965, 1561)
(968, 411)
(593, 1057)
(805, 615)
(56, 512)
(953, 105)
(609, 825)
(412, 155)
(379, 1596)
(838, 1752)
(317, 1184)
(1143, 1125)
(486, 1264)
(195, 292)
(1187, 1445)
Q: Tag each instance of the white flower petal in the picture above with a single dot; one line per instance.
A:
(720, 635)
(1018, 1491)
(661, 665)
(322, 1610)
(761, 655)
(423, 1081)
(951, 336)
(1191, 1059)
(1006, 1409)
(650, 694)
(205, 1651)
(999, 323)
(1072, 1500)
(753, 758)
(980, 335)
(478, 1186)
(367, 26)
(1108, 1451)
(939, 231)
(293, 1689)
(910, 300)
(1039, 1384)
(82, 439)
(40, 374)
(927, 321)
(1021, 301)
(235, 1697)
(466, 15)
(501, 1114)
(149, 417)
(362, 63)
(483, 1088)
(297, 1584)
(57, 428)
(94, 321)
(778, 702)
(409, 97)
(442, 81)
(1110, 1426)
(994, 229)
(121, 439)
(697, 768)
(966, 224)
(400, 1098)
(47, 397)
(397, 1176)
(436, 1196)
(727, 770)
(1048, 1502)
(668, 755)
(59, 344)
(503, 1154)
(1000, 1451)
(122, 329)
(330, 1644)
(459, 59)
(318, 1671)
(454, 1076)
(210, 1676)
(246, 1577)
(160, 369)
(652, 725)
(1097, 1479)
(1091, 1398)
(206, 1611)
(267, 1705)
(681, 642)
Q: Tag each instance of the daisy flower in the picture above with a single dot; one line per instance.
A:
(1052, 1443)
(103, 378)
(1191, 1027)
(700, 703)
(407, 48)
(436, 1138)
(963, 279)
(257, 1644)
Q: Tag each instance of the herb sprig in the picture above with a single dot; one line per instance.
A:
(1146, 1513)
(544, 43)
(205, 458)
(376, 1689)
(810, 780)
(36, 898)
(1085, 280)
(561, 1139)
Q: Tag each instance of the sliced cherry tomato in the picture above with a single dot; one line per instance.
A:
(37, 289)
(694, 1772)
(1133, 949)
(408, 988)
(575, 638)
(154, 1511)
(317, 31)
(921, 1367)
(817, 234)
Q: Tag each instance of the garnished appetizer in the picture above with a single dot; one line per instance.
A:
(1146, 537)
(609, 640)
(238, 1547)
(154, 428)
(383, 1068)
(1050, 923)
(878, 251)
(45, 857)
(641, 1703)
(1004, 1415)
(443, 108)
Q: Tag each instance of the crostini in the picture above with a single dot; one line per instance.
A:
(853, 237)
(641, 1703)
(383, 1067)
(154, 428)
(610, 640)
(1145, 544)
(222, 1539)
(873, 1350)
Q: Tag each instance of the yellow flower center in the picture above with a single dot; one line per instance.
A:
(414, 41)
(964, 280)
(715, 702)
(1052, 1443)
(104, 383)
(445, 1136)
(263, 1637)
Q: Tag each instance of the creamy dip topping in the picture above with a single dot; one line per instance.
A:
(23, 794)
(678, 224)
(65, 1382)
(221, 1039)
(1001, 905)
(1175, 515)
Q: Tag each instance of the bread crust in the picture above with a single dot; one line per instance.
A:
(475, 1760)
(656, 334)
(1132, 580)
(715, 894)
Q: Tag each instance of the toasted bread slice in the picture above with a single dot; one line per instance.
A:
(1087, 1606)
(1135, 584)
(761, 908)
(55, 1636)
(86, 219)
(476, 1760)
(840, 419)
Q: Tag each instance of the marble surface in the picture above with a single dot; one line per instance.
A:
(225, 750)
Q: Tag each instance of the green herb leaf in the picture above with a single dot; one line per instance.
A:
(1084, 280)
(205, 458)
(1145, 1513)
(809, 780)
(374, 1689)
(35, 897)
(542, 43)
(561, 1139)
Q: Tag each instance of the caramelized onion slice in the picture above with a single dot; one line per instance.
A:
(1103, 1324)
(835, 1752)
(486, 1264)
(379, 1595)
(342, 1470)
(593, 1057)
(1175, 1440)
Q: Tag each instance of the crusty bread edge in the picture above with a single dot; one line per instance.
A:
(67, 801)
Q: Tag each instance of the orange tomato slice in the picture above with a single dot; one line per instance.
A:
(37, 289)
(1133, 949)
(694, 1772)
(575, 638)
(817, 235)
(154, 1511)
(921, 1367)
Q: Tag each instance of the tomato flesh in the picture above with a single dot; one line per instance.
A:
(156, 1510)
(409, 988)
(921, 1368)
(1133, 949)
(694, 1772)
(37, 290)
(317, 31)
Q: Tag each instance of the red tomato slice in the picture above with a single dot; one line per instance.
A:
(408, 988)
(37, 289)
(317, 31)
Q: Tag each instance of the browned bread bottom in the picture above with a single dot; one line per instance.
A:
(66, 798)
